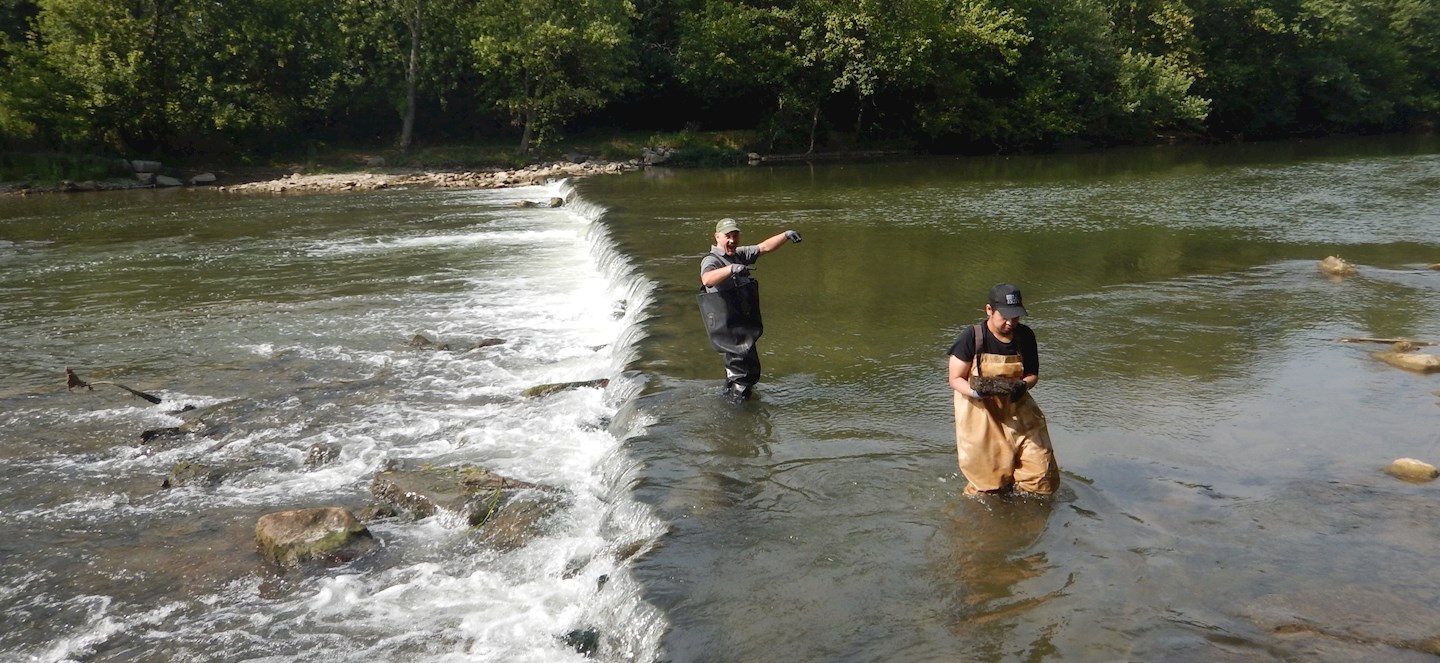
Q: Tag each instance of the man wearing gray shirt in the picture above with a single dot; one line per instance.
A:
(730, 303)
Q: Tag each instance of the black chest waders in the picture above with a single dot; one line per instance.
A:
(732, 320)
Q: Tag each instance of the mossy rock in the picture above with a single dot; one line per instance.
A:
(330, 535)
(471, 493)
(517, 519)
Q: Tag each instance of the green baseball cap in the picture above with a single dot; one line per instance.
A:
(727, 226)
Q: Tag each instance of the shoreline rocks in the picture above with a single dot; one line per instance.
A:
(147, 175)
(470, 179)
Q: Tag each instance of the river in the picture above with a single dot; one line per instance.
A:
(1222, 452)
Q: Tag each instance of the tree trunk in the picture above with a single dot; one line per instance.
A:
(814, 122)
(859, 114)
(529, 130)
(775, 124)
(412, 77)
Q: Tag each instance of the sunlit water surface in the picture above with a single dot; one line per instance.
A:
(1223, 495)
(1222, 451)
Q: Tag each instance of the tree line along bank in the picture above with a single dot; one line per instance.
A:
(186, 77)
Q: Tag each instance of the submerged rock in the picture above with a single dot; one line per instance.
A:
(158, 437)
(1358, 621)
(1336, 266)
(421, 341)
(1411, 361)
(191, 474)
(508, 509)
(516, 520)
(1411, 469)
(377, 511)
(321, 453)
(330, 535)
(584, 641)
(485, 343)
(547, 389)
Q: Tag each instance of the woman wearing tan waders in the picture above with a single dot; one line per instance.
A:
(1000, 433)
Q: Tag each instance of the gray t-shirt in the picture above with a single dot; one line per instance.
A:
(744, 255)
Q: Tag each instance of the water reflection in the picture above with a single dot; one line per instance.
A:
(1190, 368)
(741, 430)
(991, 552)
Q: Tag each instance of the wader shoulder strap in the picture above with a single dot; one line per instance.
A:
(723, 259)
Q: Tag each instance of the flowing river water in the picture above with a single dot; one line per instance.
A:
(1222, 452)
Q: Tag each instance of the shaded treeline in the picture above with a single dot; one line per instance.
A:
(198, 76)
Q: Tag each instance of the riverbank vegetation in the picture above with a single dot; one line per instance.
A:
(193, 79)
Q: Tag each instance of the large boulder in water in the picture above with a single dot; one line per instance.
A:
(329, 535)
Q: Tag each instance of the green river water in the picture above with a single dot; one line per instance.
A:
(1223, 495)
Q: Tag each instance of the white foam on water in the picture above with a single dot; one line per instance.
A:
(103, 624)
(570, 309)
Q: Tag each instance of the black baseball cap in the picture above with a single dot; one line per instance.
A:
(1005, 298)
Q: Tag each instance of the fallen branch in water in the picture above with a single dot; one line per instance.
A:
(72, 381)
(137, 392)
(1387, 341)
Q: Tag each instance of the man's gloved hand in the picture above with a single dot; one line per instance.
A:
(738, 268)
(793, 236)
(1019, 390)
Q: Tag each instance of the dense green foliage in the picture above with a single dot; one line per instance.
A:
(185, 76)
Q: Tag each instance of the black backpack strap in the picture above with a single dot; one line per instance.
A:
(976, 358)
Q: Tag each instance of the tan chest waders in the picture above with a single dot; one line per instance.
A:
(1003, 444)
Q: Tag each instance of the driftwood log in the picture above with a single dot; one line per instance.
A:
(1387, 341)
(547, 389)
(73, 381)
